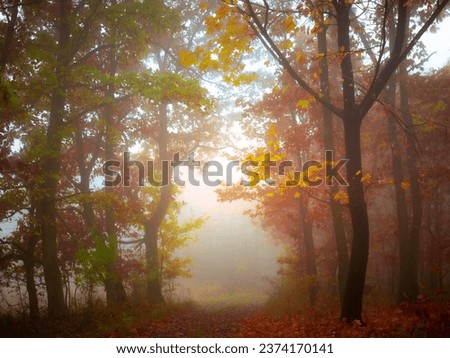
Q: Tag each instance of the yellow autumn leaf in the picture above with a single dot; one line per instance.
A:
(405, 185)
(440, 106)
(303, 104)
(300, 57)
(297, 195)
(207, 63)
(187, 58)
(289, 24)
(285, 45)
(366, 178)
(204, 5)
(270, 195)
(387, 181)
(245, 78)
(277, 157)
(342, 197)
(320, 56)
(316, 28)
(213, 24)
(272, 131)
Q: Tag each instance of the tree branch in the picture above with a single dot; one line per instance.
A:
(273, 49)
(399, 54)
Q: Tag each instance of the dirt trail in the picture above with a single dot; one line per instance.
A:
(207, 322)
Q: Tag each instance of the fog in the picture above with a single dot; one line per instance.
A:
(234, 259)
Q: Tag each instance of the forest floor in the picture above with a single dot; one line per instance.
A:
(426, 318)
(212, 322)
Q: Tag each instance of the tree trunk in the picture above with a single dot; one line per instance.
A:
(433, 265)
(400, 195)
(29, 265)
(152, 225)
(115, 291)
(29, 253)
(310, 255)
(408, 285)
(51, 173)
(336, 211)
(354, 290)
(154, 289)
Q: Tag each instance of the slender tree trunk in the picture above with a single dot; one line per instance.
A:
(115, 291)
(154, 287)
(310, 255)
(29, 265)
(408, 285)
(29, 254)
(336, 211)
(436, 247)
(51, 168)
(400, 195)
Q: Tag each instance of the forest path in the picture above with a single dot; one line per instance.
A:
(205, 322)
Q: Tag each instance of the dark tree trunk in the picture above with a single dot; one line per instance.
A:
(336, 211)
(31, 241)
(154, 289)
(408, 285)
(115, 291)
(408, 236)
(29, 265)
(400, 195)
(354, 290)
(51, 173)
